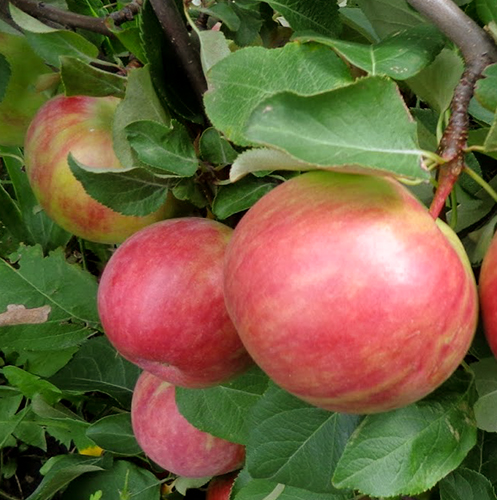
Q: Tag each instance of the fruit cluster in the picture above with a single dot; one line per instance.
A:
(341, 287)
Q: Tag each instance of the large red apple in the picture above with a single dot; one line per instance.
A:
(170, 440)
(348, 294)
(161, 303)
(81, 126)
(488, 294)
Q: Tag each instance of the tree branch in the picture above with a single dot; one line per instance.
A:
(478, 50)
(45, 12)
(175, 30)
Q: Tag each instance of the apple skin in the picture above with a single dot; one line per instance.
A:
(220, 487)
(488, 294)
(80, 125)
(347, 294)
(170, 440)
(161, 303)
(21, 100)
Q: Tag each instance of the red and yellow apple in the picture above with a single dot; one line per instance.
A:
(161, 303)
(22, 99)
(348, 294)
(82, 126)
(220, 487)
(170, 440)
(488, 294)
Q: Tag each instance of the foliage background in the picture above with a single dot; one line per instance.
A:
(292, 85)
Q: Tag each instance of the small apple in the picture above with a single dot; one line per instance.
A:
(348, 294)
(161, 303)
(21, 100)
(220, 487)
(488, 294)
(82, 126)
(170, 440)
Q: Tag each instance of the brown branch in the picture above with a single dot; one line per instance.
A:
(45, 12)
(453, 142)
(175, 30)
(478, 50)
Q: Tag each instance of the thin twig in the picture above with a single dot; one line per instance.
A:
(478, 50)
(175, 30)
(45, 12)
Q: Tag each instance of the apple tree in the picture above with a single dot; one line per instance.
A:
(115, 116)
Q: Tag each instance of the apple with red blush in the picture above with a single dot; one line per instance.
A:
(80, 126)
(161, 303)
(348, 294)
(171, 441)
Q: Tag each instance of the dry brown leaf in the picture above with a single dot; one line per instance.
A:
(17, 314)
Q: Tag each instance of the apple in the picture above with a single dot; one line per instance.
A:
(348, 294)
(170, 440)
(488, 294)
(220, 487)
(21, 99)
(80, 125)
(161, 303)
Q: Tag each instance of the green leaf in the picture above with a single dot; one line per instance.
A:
(31, 432)
(64, 291)
(260, 489)
(50, 43)
(465, 484)
(250, 23)
(215, 149)
(64, 470)
(129, 36)
(320, 16)
(52, 46)
(407, 451)
(222, 410)
(8, 418)
(36, 227)
(399, 56)
(10, 216)
(486, 88)
(98, 367)
(486, 384)
(4, 75)
(61, 423)
(81, 78)
(45, 363)
(435, 84)
(362, 126)
(390, 16)
(114, 433)
(213, 47)
(234, 198)
(30, 385)
(188, 189)
(130, 192)
(123, 481)
(307, 452)
(262, 160)
(169, 149)
(225, 13)
(486, 10)
(238, 83)
(141, 103)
